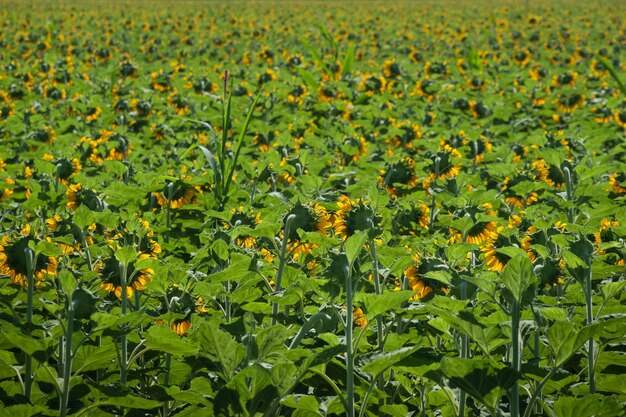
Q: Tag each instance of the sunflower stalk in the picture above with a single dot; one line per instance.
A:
(67, 362)
(57, 173)
(281, 263)
(515, 355)
(590, 350)
(123, 342)
(349, 349)
(168, 215)
(464, 351)
(378, 289)
(569, 193)
(28, 366)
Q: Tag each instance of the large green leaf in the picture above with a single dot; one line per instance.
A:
(588, 406)
(565, 340)
(379, 304)
(520, 280)
(220, 347)
(354, 245)
(375, 364)
(164, 339)
(487, 381)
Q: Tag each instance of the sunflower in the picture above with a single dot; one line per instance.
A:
(605, 233)
(181, 195)
(13, 261)
(6, 192)
(359, 317)
(297, 95)
(109, 271)
(481, 232)
(426, 88)
(616, 180)
(408, 133)
(550, 174)
(354, 216)
(494, 260)
(160, 81)
(181, 326)
(60, 227)
(569, 103)
(422, 286)
(267, 76)
(92, 114)
(400, 172)
(478, 149)
(244, 217)
(406, 222)
(510, 195)
(522, 57)
(620, 118)
(310, 218)
(391, 69)
(77, 195)
(352, 148)
(140, 236)
(566, 79)
(372, 84)
(66, 168)
(443, 166)
(436, 68)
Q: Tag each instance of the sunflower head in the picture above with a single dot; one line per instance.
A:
(408, 221)
(416, 280)
(308, 217)
(77, 195)
(109, 271)
(178, 193)
(14, 263)
(354, 216)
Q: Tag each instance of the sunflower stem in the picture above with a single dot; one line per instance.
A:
(87, 253)
(124, 346)
(464, 353)
(168, 220)
(166, 382)
(569, 193)
(590, 351)
(67, 368)
(349, 351)
(28, 366)
(515, 356)
(57, 178)
(281, 264)
(379, 319)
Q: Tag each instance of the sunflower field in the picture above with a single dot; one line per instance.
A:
(314, 208)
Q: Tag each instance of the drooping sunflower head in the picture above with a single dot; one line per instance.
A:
(242, 216)
(13, 260)
(618, 183)
(408, 221)
(352, 148)
(401, 172)
(481, 232)
(444, 165)
(354, 216)
(77, 195)
(391, 69)
(66, 168)
(311, 217)
(416, 280)
(570, 102)
(495, 260)
(178, 193)
(110, 273)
